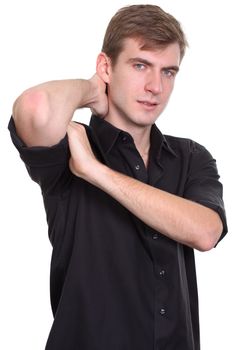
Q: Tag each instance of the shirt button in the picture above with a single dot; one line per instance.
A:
(155, 236)
(137, 167)
(124, 139)
(162, 312)
(162, 273)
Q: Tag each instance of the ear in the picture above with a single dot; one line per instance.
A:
(103, 67)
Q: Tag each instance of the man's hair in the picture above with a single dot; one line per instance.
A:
(153, 27)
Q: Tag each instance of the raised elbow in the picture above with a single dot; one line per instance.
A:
(31, 108)
(31, 117)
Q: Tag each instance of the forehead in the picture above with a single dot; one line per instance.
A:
(169, 54)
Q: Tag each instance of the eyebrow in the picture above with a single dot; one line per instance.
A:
(149, 64)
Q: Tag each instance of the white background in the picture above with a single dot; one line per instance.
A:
(45, 40)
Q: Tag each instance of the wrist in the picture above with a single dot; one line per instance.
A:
(95, 173)
(88, 93)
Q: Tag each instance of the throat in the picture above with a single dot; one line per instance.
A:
(145, 158)
(143, 146)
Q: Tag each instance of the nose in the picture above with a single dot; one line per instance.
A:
(154, 84)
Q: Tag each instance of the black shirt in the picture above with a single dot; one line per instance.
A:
(117, 284)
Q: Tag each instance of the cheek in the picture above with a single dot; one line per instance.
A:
(119, 90)
(117, 96)
(125, 80)
(168, 88)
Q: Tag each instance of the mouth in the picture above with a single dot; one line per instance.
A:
(148, 104)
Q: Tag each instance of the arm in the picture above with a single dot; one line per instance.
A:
(42, 113)
(179, 219)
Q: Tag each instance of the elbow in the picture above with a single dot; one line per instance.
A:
(209, 236)
(206, 244)
(31, 108)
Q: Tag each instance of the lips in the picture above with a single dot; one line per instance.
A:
(148, 103)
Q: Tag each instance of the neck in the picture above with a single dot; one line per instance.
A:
(140, 134)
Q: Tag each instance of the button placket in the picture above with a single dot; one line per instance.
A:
(155, 236)
(162, 273)
(133, 158)
(162, 311)
(124, 139)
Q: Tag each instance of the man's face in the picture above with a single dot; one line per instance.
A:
(140, 84)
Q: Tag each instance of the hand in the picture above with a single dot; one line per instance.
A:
(99, 105)
(82, 161)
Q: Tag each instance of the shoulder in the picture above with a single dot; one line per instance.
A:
(181, 145)
(181, 142)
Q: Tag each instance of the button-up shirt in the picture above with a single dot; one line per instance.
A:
(116, 283)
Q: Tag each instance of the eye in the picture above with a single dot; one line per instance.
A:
(140, 66)
(169, 73)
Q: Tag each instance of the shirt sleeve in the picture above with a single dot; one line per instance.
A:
(47, 166)
(203, 185)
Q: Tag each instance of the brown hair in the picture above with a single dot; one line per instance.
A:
(147, 23)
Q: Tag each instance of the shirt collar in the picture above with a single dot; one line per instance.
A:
(107, 135)
(159, 142)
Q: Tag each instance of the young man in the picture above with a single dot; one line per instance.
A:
(125, 204)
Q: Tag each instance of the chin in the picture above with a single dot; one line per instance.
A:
(145, 122)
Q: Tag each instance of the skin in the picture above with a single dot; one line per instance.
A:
(42, 113)
(139, 87)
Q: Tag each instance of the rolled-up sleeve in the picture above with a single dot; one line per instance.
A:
(203, 185)
(47, 166)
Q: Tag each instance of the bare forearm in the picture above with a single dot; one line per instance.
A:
(179, 219)
(42, 113)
